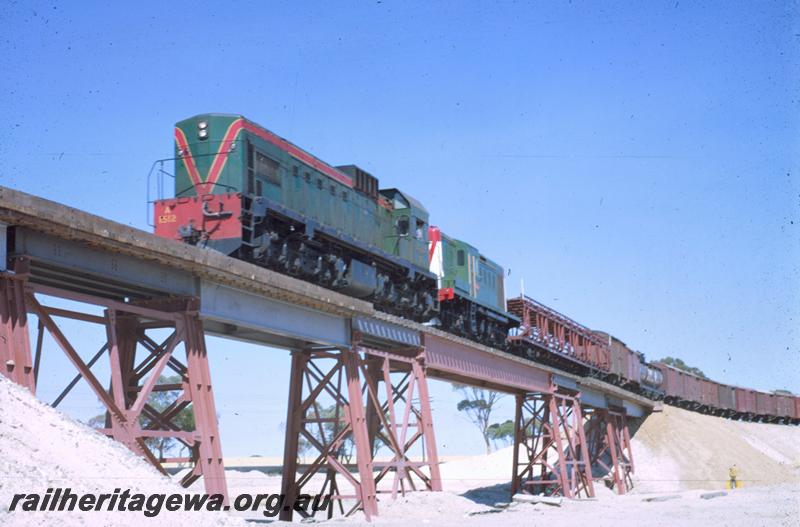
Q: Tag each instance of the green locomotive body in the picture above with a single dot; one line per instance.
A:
(471, 290)
(256, 196)
(251, 194)
(239, 156)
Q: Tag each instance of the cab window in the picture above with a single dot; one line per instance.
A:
(402, 225)
(268, 169)
(419, 232)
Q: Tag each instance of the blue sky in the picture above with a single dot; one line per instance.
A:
(635, 163)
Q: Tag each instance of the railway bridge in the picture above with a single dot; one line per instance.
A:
(159, 298)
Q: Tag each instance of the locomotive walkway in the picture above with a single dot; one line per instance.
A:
(373, 367)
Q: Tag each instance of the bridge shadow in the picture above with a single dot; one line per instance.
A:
(634, 424)
(501, 492)
(489, 495)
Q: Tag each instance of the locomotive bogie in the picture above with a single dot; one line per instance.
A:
(287, 242)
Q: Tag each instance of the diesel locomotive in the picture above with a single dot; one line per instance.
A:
(251, 194)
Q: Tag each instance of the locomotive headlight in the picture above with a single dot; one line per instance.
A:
(202, 125)
(202, 134)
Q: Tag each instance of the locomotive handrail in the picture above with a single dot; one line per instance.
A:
(160, 184)
(231, 189)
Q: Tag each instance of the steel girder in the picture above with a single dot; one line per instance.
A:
(252, 317)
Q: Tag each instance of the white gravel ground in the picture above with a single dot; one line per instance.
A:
(42, 448)
(756, 506)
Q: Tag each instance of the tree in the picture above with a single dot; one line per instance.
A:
(478, 405)
(98, 421)
(159, 400)
(325, 431)
(503, 432)
(678, 363)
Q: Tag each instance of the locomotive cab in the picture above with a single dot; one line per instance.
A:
(407, 236)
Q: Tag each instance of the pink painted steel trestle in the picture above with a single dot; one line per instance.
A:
(129, 418)
(551, 456)
(341, 418)
(15, 348)
(562, 448)
(359, 423)
(610, 450)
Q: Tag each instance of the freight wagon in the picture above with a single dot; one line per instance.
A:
(726, 397)
(785, 408)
